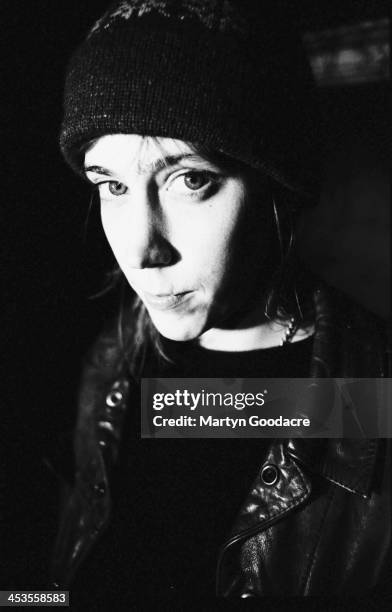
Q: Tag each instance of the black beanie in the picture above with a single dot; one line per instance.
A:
(223, 74)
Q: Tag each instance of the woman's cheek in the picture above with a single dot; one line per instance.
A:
(208, 249)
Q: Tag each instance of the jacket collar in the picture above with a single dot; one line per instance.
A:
(349, 463)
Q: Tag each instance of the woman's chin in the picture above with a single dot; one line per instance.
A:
(178, 330)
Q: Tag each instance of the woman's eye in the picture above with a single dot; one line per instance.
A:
(195, 180)
(114, 188)
(117, 189)
(192, 182)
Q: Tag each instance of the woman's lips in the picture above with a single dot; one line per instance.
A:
(166, 301)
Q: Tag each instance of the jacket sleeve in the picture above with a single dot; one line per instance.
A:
(101, 407)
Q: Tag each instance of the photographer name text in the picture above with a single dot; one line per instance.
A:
(228, 422)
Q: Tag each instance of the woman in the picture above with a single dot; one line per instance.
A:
(197, 123)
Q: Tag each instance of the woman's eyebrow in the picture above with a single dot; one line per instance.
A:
(98, 170)
(165, 162)
(150, 167)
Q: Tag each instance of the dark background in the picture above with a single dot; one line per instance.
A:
(53, 260)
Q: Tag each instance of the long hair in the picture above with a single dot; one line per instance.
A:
(287, 292)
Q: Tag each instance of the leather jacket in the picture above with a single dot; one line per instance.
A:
(316, 521)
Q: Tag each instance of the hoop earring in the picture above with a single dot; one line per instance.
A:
(284, 260)
(283, 255)
(87, 219)
(278, 229)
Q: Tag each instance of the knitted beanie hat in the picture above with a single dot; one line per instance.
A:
(223, 74)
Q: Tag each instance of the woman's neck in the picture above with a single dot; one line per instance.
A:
(249, 338)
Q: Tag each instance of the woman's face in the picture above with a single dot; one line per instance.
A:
(186, 232)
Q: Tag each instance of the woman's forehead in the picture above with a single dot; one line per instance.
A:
(122, 151)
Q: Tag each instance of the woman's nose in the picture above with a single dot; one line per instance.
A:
(147, 244)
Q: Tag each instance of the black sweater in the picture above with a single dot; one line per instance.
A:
(175, 500)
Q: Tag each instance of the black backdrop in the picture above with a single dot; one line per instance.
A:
(52, 261)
